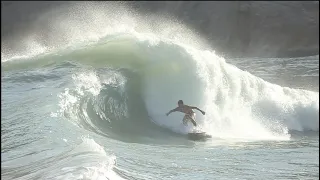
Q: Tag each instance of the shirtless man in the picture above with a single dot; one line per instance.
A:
(189, 113)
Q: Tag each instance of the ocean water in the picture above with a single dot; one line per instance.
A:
(88, 101)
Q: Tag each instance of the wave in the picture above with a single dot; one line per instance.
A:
(89, 161)
(131, 95)
(130, 74)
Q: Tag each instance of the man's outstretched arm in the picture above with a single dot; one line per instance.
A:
(193, 107)
(173, 110)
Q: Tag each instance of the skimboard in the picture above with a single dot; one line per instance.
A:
(196, 136)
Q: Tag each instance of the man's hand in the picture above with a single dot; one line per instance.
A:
(167, 114)
(203, 112)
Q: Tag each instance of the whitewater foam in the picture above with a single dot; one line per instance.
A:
(237, 98)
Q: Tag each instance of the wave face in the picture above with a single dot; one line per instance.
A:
(88, 160)
(128, 71)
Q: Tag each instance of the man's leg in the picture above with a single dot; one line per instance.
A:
(185, 120)
(193, 121)
(191, 118)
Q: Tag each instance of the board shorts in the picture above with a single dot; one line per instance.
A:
(189, 117)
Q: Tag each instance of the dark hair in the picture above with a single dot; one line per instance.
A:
(180, 102)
